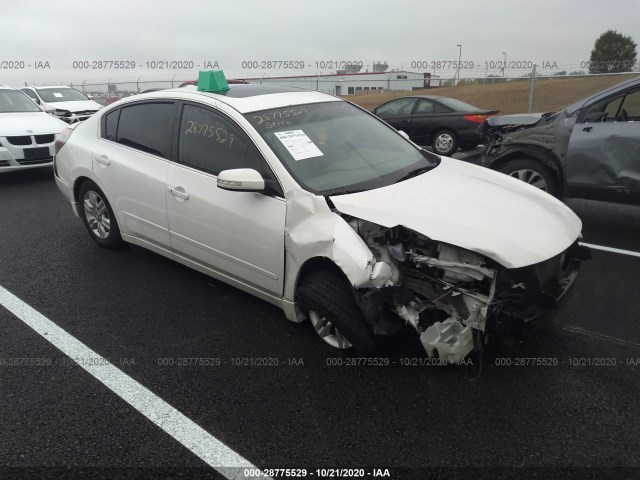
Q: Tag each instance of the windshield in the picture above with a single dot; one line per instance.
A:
(52, 95)
(457, 105)
(333, 148)
(12, 101)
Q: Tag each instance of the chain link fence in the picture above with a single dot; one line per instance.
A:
(509, 94)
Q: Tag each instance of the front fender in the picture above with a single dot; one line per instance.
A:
(312, 230)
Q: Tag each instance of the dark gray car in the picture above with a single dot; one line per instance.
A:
(591, 149)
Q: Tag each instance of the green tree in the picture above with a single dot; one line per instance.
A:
(613, 52)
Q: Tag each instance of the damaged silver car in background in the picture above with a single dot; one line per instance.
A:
(590, 149)
(317, 206)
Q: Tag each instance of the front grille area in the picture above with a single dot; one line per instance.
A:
(40, 139)
(4, 163)
(86, 112)
(35, 162)
(19, 140)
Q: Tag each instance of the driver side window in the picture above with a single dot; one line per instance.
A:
(401, 106)
(619, 109)
(631, 107)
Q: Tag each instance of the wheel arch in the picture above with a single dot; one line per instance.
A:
(77, 184)
(545, 157)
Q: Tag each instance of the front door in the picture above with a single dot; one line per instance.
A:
(240, 235)
(603, 156)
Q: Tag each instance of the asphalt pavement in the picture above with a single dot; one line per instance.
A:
(560, 402)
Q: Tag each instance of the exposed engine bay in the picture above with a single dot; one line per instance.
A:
(449, 295)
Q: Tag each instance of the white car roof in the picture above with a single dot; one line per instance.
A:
(245, 98)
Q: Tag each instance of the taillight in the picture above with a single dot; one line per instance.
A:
(480, 117)
(62, 139)
(476, 118)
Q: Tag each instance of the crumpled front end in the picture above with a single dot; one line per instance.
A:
(451, 296)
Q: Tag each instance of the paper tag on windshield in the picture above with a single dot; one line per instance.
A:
(58, 95)
(299, 145)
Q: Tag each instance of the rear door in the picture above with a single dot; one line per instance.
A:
(239, 235)
(603, 156)
(130, 164)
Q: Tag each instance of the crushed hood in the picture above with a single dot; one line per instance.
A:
(523, 119)
(76, 106)
(474, 208)
(29, 123)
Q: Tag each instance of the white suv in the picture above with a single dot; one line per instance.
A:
(315, 205)
(66, 103)
(27, 133)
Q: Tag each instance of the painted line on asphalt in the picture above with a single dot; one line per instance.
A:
(601, 336)
(211, 450)
(611, 249)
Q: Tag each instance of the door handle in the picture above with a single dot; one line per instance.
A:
(404, 121)
(178, 192)
(587, 129)
(103, 159)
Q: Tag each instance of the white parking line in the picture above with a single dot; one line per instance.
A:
(611, 249)
(601, 336)
(192, 436)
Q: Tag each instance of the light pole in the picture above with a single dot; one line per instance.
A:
(504, 63)
(457, 75)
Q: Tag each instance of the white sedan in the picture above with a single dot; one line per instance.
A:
(27, 133)
(315, 205)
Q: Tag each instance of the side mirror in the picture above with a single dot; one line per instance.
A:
(404, 134)
(241, 180)
(89, 96)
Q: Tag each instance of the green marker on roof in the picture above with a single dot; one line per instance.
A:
(212, 81)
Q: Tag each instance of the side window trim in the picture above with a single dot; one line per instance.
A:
(624, 94)
(175, 150)
(103, 125)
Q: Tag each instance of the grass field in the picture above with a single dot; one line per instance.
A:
(551, 94)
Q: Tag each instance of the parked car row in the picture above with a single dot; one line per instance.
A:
(31, 119)
(27, 132)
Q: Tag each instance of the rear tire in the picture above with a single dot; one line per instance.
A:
(98, 216)
(534, 173)
(444, 143)
(329, 301)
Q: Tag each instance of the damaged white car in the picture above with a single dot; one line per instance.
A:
(315, 205)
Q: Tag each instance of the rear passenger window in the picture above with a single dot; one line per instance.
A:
(210, 142)
(441, 109)
(111, 125)
(147, 127)
(424, 106)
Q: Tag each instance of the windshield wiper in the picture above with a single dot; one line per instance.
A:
(342, 191)
(415, 172)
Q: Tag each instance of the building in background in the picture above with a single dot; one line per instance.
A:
(347, 83)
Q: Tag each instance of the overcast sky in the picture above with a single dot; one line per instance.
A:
(399, 32)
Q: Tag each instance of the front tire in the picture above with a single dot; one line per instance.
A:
(98, 216)
(444, 143)
(534, 173)
(328, 300)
